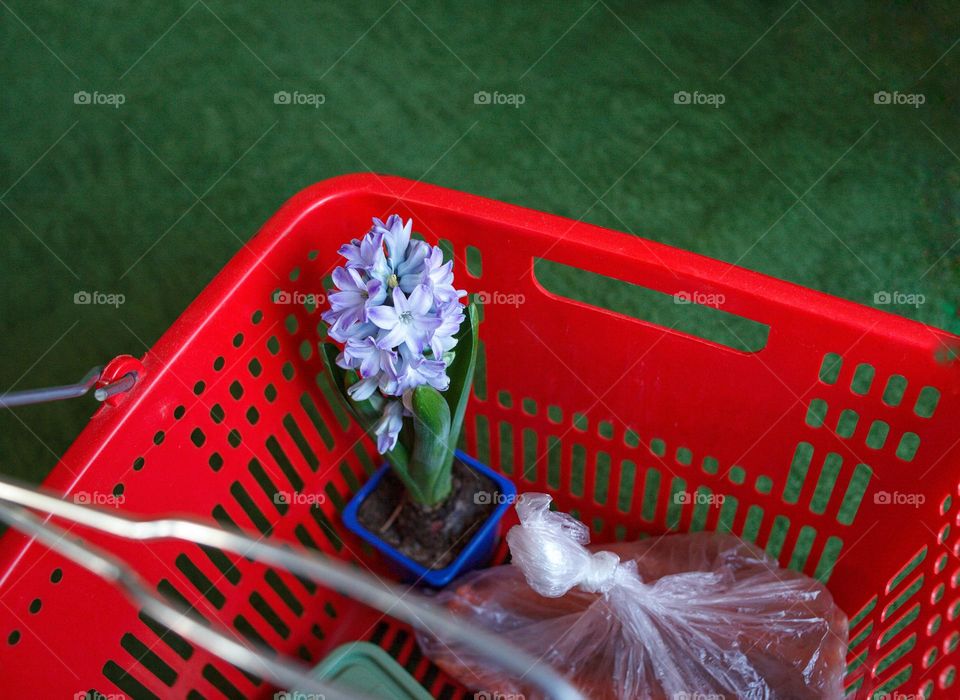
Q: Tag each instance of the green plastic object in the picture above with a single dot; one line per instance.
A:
(368, 669)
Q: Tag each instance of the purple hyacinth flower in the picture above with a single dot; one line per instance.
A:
(364, 355)
(415, 370)
(443, 339)
(395, 234)
(408, 321)
(409, 271)
(387, 429)
(357, 330)
(405, 256)
(363, 389)
(349, 306)
(362, 254)
(386, 380)
(397, 313)
(438, 276)
(389, 377)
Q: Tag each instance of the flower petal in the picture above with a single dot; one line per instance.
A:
(420, 301)
(363, 389)
(376, 293)
(397, 238)
(397, 335)
(383, 317)
(388, 427)
(400, 302)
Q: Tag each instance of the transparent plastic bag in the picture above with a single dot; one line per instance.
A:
(682, 616)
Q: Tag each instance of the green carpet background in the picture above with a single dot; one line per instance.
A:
(102, 198)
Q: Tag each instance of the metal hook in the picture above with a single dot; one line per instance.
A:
(70, 391)
(52, 393)
(125, 383)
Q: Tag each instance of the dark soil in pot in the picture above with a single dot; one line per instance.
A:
(430, 537)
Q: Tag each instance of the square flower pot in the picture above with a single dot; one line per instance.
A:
(476, 553)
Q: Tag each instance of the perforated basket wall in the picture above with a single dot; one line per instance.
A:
(834, 448)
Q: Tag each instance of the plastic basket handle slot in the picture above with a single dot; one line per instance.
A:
(690, 311)
(401, 603)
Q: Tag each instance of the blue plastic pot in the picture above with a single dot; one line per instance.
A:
(478, 551)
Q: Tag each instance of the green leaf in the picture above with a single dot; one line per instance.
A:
(461, 373)
(429, 467)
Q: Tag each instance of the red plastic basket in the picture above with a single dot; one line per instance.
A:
(232, 406)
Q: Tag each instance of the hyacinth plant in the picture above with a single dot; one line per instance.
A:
(407, 355)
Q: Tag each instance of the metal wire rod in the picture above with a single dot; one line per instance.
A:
(401, 603)
(51, 393)
(93, 559)
(124, 383)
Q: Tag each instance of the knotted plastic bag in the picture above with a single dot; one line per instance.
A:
(682, 616)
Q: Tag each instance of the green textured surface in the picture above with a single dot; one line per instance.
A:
(113, 192)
